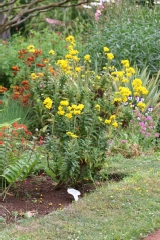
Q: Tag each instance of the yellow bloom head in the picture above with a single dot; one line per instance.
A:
(48, 103)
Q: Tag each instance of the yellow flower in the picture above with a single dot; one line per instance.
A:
(107, 121)
(80, 106)
(63, 64)
(97, 106)
(130, 71)
(98, 77)
(70, 39)
(68, 115)
(64, 103)
(125, 80)
(34, 76)
(68, 56)
(106, 49)
(48, 103)
(74, 136)
(61, 112)
(73, 52)
(41, 74)
(117, 99)
(78, 69)
(115, 124)
(112, 117)
(125, 63)
(60, 108)
(118, 73)
(100, 119)
(76, 112)
(87, 58)
(51, 52)
(75, 58)
(141, 105)
(71, 134)
(31, 48)
(110, 56)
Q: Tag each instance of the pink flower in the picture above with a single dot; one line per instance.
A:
(156, 134)
(97, 15)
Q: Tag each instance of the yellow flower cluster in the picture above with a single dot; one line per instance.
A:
(87, 58)
(106, 49)
(123, 75)
(118, 73)
(124, 92)
(31, 48)
(130, 71)
(141, 105)
(112, 120)
(48, 103)
(64, 65)
(69, 111)
(34, 76)
(97, 107)
(68, 65)
(51, 52)
(125, 63)
(71, 39)
(110, 56)
(71, 134)
(138, 88)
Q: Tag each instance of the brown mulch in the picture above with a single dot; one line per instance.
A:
(38, 196)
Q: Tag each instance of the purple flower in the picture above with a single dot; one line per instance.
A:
(141, 100)
(129, 97)
(150, 108)
(142, 124)
(156, 134)
(149, 118)
(142, 132)
(123, 141)
(148, 134)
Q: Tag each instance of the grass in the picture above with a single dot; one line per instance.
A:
(128, 209)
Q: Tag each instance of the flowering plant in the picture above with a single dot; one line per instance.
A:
(77, 109)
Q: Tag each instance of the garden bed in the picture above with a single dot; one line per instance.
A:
(36, 196)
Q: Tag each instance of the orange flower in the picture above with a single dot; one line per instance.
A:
(51, 70)
(24, 82)
(37, 52)
(40, 65)
(23, 51)
(2, 89)
(15, 68)
(1, 102)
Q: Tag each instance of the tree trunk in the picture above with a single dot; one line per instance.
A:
(3, 34)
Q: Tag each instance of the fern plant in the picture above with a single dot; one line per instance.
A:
(17, 156)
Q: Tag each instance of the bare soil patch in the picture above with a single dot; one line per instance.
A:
(38, 196)
(153, 236)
